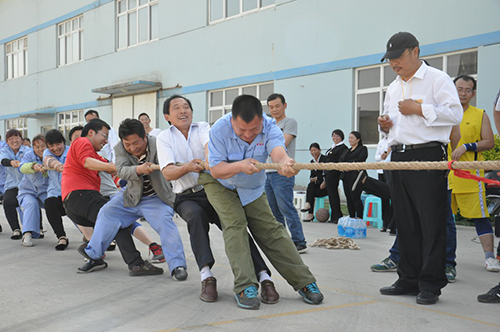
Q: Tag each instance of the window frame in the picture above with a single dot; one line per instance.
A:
(240, 13)
(225, 108)
(65, 126)
(12, 58)
(381, 89)
(65, 36)
(20, 124)
(149, 4)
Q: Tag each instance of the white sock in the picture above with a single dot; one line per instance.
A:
(264, 276)
(205, 273)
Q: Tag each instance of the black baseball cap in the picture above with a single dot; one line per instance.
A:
(398, 44)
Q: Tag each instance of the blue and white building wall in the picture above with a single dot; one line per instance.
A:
(124, 57)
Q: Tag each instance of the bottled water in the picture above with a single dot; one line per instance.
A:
(349, 227)
(340, 226)
(359, 229)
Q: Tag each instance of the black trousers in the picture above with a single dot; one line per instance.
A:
(54, 211)
(332, 179)
(354, 203)
(420, 206)
(313, 191)
(10, 204)
(381, 188)
(196, 210)
(82, 207)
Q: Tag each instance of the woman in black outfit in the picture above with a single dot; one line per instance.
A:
(357, 153)
(317, 185)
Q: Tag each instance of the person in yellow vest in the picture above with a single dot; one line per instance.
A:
(468, 196)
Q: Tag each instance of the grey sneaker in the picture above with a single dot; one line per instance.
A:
(492, 265)
(387, 265)
(451, 273)
(145, 269)
(311, 294)
(179, 273)
(27, 240)
(247, 299)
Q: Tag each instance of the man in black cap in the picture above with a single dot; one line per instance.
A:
(420, 108)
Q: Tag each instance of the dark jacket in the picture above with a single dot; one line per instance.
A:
(333, 156)
(318, 173)
(358, 155)
(126, 165)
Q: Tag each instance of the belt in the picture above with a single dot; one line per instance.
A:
(404, 147)
(192, 190)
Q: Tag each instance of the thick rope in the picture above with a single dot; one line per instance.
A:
(410, 165)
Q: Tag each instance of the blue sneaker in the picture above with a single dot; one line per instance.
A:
(311, 294)
(247, 299)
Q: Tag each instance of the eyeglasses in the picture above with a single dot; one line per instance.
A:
(400, 58)
(467, 90)
(103, 135)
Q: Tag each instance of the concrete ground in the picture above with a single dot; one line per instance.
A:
(41, 291)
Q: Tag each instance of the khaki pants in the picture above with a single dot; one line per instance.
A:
(269, 234)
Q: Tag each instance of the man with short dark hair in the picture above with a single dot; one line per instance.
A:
(468, 195)
(279, 188)
(146, 121)
(238, 140)
(421, 106)
(147, 195)
(107, 151)
(185, 142)
(80, 189)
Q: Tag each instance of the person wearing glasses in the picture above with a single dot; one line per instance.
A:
(420, 108)
(468, 195)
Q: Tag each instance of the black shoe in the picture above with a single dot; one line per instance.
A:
(301, 248)
(145, 269)
(92, 265)
(383, 229)
(493, 295)
(358, 183)
(396, 290)
(179, 273)
(81, 251)
(112, 246)
(426, 297)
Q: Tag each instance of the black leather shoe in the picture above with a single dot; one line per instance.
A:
(396, 290)
(426, 297)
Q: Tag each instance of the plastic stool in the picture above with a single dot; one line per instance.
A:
(319, 204)
(299, 201)
(373, 211)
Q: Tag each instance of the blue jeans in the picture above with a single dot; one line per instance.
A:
(451, 239)
(279, 191)
(114, 216)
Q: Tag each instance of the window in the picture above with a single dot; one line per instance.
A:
(220, 101)
(137, 22)
(17, 58)
(68, 120)
(372, 83)
(70, 40)
(20, 124)
(223, 9)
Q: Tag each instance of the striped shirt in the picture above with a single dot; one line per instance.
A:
(147, 188)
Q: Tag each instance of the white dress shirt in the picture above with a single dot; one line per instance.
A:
(173, 148)
(155, 132)
(441, 107)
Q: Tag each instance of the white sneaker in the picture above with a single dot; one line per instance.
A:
(492, 265)
(27, 240)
